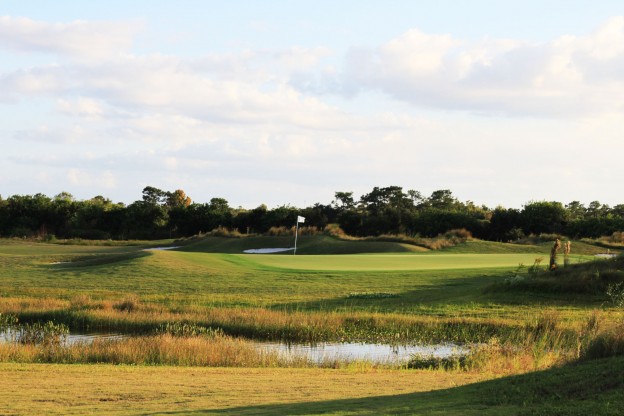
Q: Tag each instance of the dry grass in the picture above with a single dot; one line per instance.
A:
(140, 390)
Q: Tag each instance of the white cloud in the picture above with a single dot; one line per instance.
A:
(568, 76)
(81, 39)
(81, 107)
(257, 125)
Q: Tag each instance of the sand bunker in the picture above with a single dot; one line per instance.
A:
(266, 250)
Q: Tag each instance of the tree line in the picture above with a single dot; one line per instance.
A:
(384, 210)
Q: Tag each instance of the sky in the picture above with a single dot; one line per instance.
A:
(287, 102)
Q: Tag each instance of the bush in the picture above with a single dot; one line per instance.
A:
(334, 230)
(617, 237)
(285, 231)
(225, 232)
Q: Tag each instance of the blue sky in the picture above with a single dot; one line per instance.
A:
(282, 102)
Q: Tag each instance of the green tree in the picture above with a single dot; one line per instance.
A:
(543, 217)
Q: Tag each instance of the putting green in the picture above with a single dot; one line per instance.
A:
(389, 262)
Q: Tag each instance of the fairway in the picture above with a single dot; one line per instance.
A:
(388, 262)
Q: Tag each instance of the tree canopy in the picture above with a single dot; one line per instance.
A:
(383, 210)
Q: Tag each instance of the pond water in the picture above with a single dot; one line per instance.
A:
(73, 338)
(377, 353)
(317, 353)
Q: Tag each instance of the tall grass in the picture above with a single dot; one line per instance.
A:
(293, 326)
(537, 345)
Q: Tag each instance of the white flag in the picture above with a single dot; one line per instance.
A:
(300, 219)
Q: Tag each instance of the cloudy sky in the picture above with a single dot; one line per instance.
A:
(286, 102)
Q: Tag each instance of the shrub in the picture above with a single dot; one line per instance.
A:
(285, 231)
(617, 237)
(334, 230)
(225, 232)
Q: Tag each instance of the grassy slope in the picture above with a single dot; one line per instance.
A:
(305, 245)
(581, 389)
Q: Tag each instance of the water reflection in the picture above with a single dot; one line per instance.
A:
(378, 353)
(316, 353)
(73, 338)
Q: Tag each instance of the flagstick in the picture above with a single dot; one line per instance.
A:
(296, 232)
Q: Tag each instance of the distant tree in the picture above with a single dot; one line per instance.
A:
(319, 215)
(596, 210)
(178, 198)
(154, 196)
(390, 196)
(146, 220)
(442, 199)
(505, 224)
(576, 210)
(618, 211)
(543, 217)
(64, 196)
(416, 197)
(343, 200)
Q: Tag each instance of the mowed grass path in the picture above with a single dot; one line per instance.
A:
(386, 262)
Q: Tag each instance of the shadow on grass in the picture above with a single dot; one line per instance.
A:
(472, 290)
(592, 387)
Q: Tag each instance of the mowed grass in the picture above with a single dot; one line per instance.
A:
(594, 387)
(427, 283)
(388, 262)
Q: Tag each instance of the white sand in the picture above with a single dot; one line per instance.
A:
(266, 250)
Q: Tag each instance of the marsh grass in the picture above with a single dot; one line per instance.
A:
(286, 326)
(541, 343)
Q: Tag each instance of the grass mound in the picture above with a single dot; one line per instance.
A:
(317, 244)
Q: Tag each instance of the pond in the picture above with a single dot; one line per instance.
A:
(74, 338)
(377, 353)
(318, 353)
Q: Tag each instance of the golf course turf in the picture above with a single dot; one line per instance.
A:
(461, 294)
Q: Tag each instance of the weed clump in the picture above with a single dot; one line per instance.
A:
(606, 344)
(615, 294)
(130, 304)
(188, 329)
